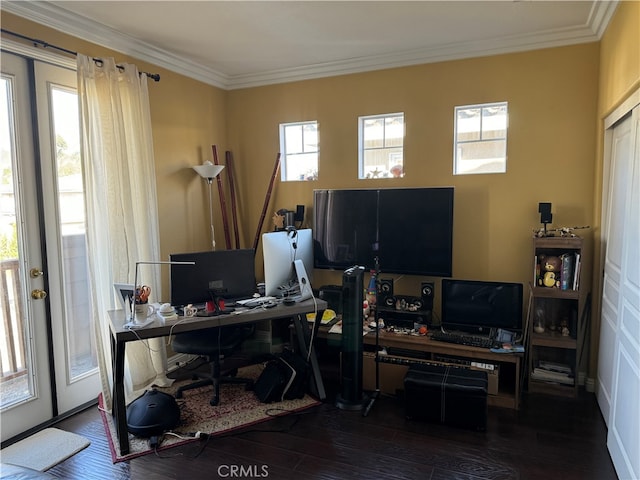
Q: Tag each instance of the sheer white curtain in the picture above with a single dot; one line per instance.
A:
(122, 218)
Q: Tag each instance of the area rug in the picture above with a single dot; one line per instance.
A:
(44, 449)
(238, 409)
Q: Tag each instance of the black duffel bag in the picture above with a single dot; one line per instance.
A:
(284, 377)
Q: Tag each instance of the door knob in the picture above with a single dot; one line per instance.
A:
(38, 294)
(36, 272)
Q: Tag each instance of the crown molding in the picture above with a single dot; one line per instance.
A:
(600, 16)
(456, 51)
(64, 21)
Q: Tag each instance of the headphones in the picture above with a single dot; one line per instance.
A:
(292, 234)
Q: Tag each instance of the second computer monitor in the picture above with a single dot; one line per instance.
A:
(280, 251)
(228, 274)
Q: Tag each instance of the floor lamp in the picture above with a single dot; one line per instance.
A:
(209, 171)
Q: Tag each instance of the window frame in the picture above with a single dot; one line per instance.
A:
(361, 140)
(286, 157)
(480, 140)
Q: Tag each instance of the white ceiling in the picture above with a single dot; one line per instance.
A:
(236, 44)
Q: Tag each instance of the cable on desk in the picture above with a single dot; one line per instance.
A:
(145, 341)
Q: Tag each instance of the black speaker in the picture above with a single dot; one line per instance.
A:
(351, 397)
(426, 293)
(332, 294)
(545, 212)
(385, 292)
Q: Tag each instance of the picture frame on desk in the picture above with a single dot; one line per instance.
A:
(124, 292)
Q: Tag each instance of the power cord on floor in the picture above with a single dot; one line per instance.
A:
(154, 442)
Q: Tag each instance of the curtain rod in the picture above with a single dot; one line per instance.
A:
(153, 76)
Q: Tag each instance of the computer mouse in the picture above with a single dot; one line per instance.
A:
(289, 301)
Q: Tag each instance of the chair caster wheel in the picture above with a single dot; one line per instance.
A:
(214, 402)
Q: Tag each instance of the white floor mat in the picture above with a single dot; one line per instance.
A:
(44, 449)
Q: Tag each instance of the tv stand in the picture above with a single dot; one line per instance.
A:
(403, 350)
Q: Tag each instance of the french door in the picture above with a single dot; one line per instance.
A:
(47, 343)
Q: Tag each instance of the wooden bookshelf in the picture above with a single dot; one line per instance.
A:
(556, 325)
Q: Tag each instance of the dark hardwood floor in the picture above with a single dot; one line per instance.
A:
(549, 438)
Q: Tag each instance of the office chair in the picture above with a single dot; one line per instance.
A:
(216, 344)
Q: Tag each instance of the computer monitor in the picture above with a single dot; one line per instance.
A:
(228, 274)
(481, 306)
(280, 250)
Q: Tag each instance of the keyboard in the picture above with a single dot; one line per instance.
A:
(462, 339)
(255, 301)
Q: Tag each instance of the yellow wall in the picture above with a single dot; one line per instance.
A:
(619, 77)
(552, 98)
(619, 58)
(553, 149)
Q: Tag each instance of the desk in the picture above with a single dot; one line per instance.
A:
(120, 335)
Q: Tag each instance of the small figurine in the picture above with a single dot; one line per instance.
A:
(563, 231)
(550, 267)
(366, 309)
(278, 220)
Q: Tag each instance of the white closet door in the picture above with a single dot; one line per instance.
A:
(618, 389)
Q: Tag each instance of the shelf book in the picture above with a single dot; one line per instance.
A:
(553, 372)
(569, 269)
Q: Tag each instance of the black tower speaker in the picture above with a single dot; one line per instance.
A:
(352, 397)
(426, 293)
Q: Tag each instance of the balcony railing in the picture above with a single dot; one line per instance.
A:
(12, 354)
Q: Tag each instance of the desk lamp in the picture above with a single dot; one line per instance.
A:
(209, 171)
(135, 280)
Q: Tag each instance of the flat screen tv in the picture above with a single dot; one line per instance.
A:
(409, 230)
(477, 306)
(228, 274)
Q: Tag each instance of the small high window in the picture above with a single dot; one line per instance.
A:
(480, 139)
(299, 149)
(380, 146)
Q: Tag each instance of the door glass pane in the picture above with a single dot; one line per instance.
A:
(81, 348)
(15, 380)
